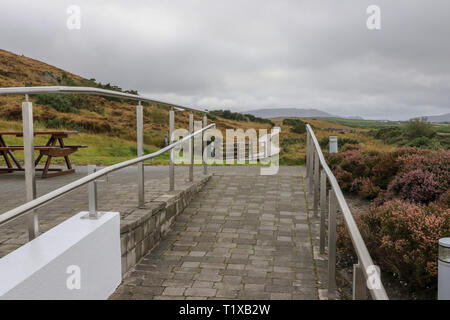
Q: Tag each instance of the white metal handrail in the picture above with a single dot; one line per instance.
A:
(89, 91)
(365, 268)
(23, 209)
(27, 121)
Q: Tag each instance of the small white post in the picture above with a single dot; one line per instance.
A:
(333, 144)
(444, 269)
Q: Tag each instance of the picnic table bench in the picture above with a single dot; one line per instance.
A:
(54, 147)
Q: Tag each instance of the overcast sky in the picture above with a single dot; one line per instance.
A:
(251, 54)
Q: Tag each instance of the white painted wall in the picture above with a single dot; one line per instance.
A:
(39, 269)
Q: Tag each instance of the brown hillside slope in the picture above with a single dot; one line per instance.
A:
(89, 114)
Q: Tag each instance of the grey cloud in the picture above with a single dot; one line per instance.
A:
(250, 54)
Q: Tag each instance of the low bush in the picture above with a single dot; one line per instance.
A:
(227, 114)
(70, 103)
(417, 185)
(54, 123)
(297, 125)
(416, 133)
(425, 142)
(410, 212)
(158, 116)
(402, 238)
(412, 174)
(417, 128)
(291, 140)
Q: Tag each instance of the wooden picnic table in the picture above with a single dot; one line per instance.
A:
(54, 147)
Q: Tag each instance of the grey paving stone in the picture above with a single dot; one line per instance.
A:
(244, 236)
(173, 291)
(201, 292)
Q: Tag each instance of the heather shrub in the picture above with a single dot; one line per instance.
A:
(365, 188)
(416, 185)
(368, 189)
(426, 173)
(407, 173)
(367, 172)
(345, 178)
(444, 199)
(402, 239)
(351, 146)
(410, 212)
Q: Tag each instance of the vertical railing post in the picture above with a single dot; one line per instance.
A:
(307, 154)
(171, 166)
(205, 145)
(316, 183)
(323, 208)
(332, 245)
(311, 164)
(265, 149)
(140, 153)
(191, 147)
(359, 283)
(92, 194)
(30, 177)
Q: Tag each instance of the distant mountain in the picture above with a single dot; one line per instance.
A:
(354, 118)
(441, 118)
(289, 113)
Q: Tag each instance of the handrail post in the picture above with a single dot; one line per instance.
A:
(359, 283)
(171, 166)
(30, 175)
(332, 245)
(92, 194)
(308, 142)
(316, 183)
(140, 153)
(191, 147)
(323, 208)
(311, 164)
(205, 146)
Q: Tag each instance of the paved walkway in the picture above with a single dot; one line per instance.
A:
(245, 236)
(119, 193)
